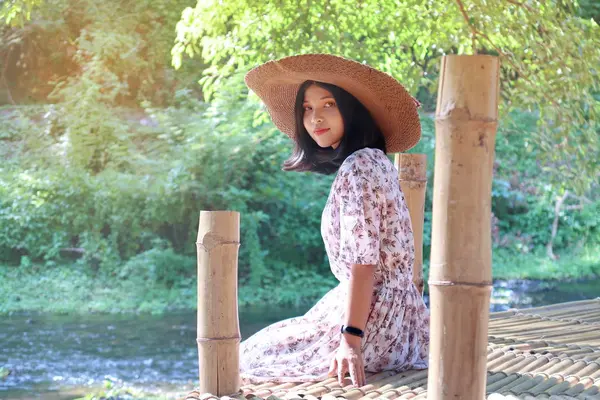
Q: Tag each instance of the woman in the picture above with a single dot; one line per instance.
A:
(344, 116)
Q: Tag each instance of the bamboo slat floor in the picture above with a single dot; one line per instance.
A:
(550, 352)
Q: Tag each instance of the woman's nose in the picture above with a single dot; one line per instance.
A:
(316, 119)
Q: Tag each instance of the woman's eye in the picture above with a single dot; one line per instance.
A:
(329, 104)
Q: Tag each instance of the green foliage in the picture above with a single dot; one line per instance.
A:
(108, 217)
(219, 157)
(231, 159)
(196, 158)
(120, 50)
(523, 201)
(158, 266)
(16, 12)
(549, 55)
(589, 9)
(113, 389)
(297, 288)
(72, 288)
(576, 264)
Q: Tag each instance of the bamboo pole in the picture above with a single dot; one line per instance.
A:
(218, 322)
(412, 173)
(460, 273)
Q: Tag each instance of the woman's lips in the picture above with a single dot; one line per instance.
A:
(321, 131)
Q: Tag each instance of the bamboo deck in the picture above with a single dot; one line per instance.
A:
(550, 352)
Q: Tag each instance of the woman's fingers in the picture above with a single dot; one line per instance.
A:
(363, 375)
(353, 374)
(357, 373)
(356, 370)
(332, 367)
(353, 364)
(342, 369)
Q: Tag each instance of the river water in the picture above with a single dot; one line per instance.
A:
(64, 356)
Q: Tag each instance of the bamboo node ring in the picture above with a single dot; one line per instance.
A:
(459, 283)
(412, 180)
(219, 339)
(210, 241)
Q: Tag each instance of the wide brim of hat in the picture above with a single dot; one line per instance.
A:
(394, 110)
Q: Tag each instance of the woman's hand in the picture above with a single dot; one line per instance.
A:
(348, 358)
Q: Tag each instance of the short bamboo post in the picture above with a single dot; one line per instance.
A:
(460, 272)
(412, 172)
(218, 322)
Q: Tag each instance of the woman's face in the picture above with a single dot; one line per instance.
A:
(322, 118)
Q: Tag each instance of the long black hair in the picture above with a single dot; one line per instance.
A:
(360, 131)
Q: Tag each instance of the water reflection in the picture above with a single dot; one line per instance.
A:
(525, 294)
(60, 351)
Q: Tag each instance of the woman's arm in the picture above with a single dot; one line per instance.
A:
(349, 355)
(360, 291)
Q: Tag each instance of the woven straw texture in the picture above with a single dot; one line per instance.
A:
(392, 107)
(548, 352)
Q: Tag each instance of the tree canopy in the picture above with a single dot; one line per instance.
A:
(550, 53)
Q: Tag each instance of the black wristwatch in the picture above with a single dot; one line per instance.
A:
(352, 331)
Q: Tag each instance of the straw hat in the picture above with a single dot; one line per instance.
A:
(393, 108)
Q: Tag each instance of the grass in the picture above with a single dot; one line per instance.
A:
(72, 289)
(119, 391)
(75, 289)
(574, 265)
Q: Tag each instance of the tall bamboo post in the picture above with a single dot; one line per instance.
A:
(218, 322)
(460, 273)
(412, 173)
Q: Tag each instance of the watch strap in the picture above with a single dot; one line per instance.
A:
(352, 331)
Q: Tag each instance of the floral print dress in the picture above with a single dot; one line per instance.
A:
(365, 221)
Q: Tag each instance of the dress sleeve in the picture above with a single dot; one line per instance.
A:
(361, 208)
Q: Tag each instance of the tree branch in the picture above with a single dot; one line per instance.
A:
(414, 58)
(559, 202)
(576, 207)
(557, 207)
(10, 98)
(476, 33)
(520, 5)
